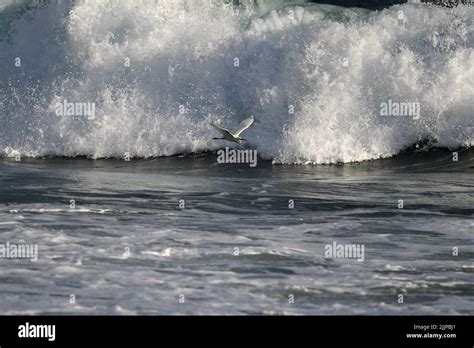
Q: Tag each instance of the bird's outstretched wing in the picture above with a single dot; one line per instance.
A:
(244, 125)
(221, 130)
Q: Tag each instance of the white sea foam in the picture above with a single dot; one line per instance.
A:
(332, 66)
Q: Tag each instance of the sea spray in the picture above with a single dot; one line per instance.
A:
(142, 63)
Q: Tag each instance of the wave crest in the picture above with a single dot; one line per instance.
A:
(314, 76)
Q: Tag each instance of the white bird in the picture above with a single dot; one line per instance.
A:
(235, 137)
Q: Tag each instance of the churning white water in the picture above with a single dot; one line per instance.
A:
(314, 76)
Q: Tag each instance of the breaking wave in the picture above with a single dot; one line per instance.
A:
(314, 76)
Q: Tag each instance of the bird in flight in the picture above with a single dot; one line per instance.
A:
(234, 137)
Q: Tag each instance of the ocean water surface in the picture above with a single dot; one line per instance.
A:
(131, 211)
